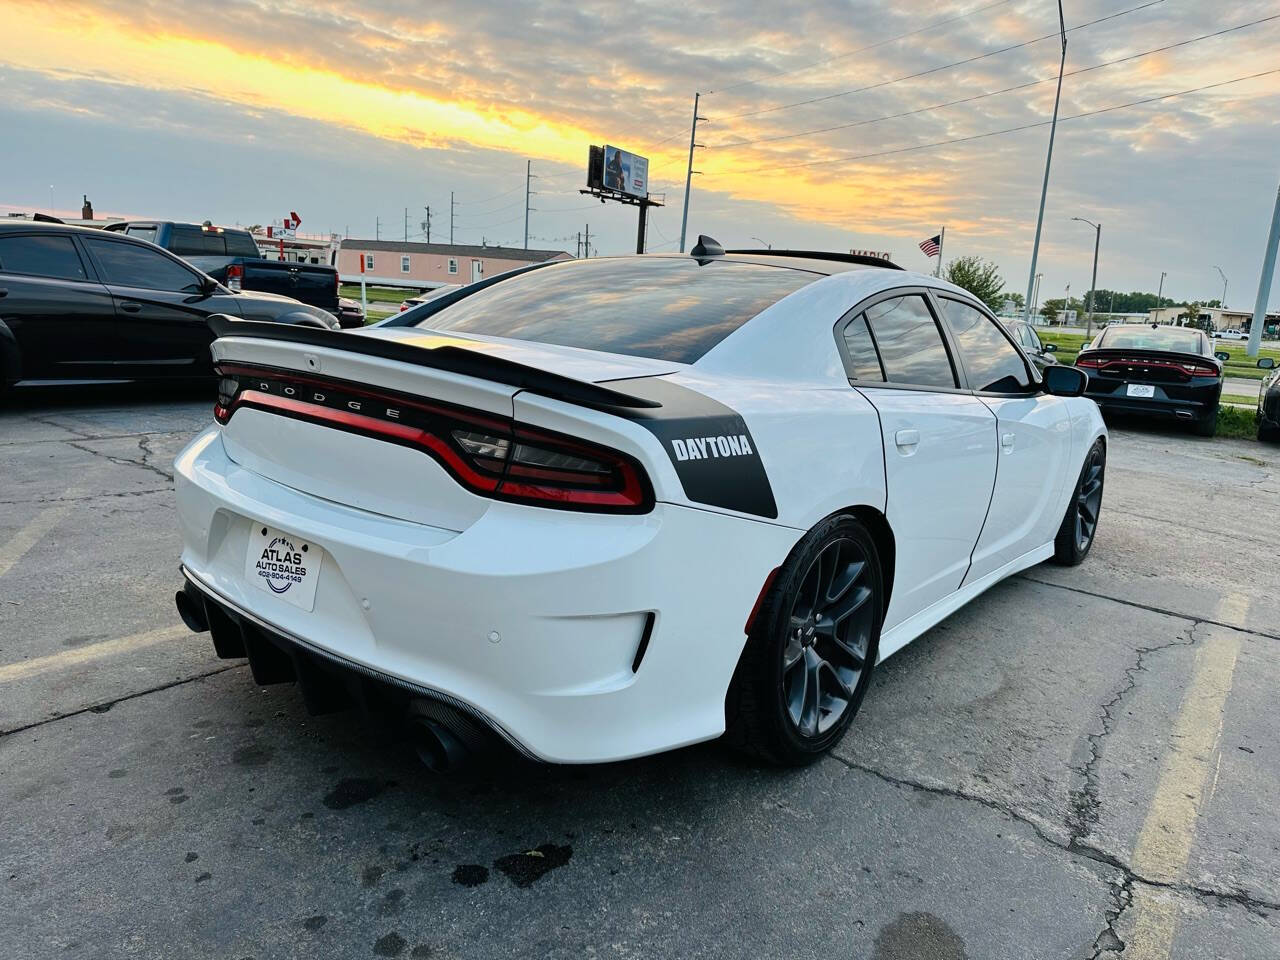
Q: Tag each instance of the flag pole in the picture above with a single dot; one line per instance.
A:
(942, 237)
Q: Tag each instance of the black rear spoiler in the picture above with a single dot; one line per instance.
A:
(456, 356)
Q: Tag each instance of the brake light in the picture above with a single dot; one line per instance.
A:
(235, 277)
(1200, 369)
(1093, 363)
(490, 456)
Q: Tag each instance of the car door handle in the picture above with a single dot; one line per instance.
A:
(907, 440)
(1006, 440)
(4, 292)
(130, 306)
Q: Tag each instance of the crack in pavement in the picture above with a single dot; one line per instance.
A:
(1108, 941)
(1146, 606)
(126, 461)
(1086, 851)
(105, 705)
(87, 496)
(1085, 802)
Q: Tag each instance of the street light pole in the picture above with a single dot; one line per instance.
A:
(1053, 128)
(1160, 295)
(768, 246)
(1223, 302)
(1264, 283)
(1093, 285)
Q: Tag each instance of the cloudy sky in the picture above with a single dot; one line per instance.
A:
(826, 128)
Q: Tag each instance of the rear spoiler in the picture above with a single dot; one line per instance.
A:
(455, 356)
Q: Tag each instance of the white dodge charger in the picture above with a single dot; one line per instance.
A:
(609, 507)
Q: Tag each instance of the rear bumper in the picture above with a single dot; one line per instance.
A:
(531, 620)
(1170, 401)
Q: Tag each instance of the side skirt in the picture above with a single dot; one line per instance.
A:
(891, 641)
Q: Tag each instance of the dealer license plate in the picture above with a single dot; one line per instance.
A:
(284, 565)
(1141, 390)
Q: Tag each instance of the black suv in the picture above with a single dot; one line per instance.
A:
(78, 304)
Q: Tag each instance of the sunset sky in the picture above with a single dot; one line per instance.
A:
(244, 110)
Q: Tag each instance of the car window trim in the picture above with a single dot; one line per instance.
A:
(1037, 384)
(892, 294)
(89, 272)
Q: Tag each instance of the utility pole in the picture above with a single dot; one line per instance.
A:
(577, 251)
(406, 224)
(1093, 284)
(1053, 128)
(688, 177)
(1264, 283)
(451, 218)
(586, 244)
(1223, 302)
(528, 177)
(427, 225)
(1160, 295)
(377, 228)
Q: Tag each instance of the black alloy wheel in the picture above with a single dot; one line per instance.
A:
(809, 657)
(1080, 525)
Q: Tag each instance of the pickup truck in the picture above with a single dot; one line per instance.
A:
(232, 258)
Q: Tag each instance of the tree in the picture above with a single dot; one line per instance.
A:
(1017, 299)
(980, 277)
(1049, 309)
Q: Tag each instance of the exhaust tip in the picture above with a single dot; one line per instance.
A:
(438, 749)
(191, 611)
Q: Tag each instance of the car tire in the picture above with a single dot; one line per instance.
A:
(1080, 525)
(1267, 433)
(1206, 426)
(819, 623)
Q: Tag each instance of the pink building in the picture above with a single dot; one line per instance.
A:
(426, 265)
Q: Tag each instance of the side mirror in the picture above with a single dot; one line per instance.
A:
(1266, 363)
(1064, 381)
(208, 286)
(1049, 347)
(1222, 355)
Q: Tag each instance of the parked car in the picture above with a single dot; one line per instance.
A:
(1155, 371)
(78, 304)
(231, 257)
(350, 313)
(1269, 401)
(697, 505)
(1231, 335)
(1041, 353)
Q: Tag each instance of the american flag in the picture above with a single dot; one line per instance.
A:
(931, 246)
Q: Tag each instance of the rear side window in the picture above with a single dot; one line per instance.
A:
(911, 346)
(142, 233)
(240, 244)
(186, 241)
(863, 363)
(667, 308)
(992, 363)
(131, 265)
(41, 257)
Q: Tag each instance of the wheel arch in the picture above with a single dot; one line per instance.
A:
(10, 356)
(881, 531)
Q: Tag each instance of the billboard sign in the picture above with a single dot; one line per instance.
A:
(625, 172)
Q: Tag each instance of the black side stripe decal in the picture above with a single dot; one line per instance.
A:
(712, 450)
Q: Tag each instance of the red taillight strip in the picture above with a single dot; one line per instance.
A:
(358, 423)
(1102, 363)
(561, 488)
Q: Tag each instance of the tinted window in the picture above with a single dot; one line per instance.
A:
(186, 241)
(910, 343)
(667, 308)
(990, 360)
(131, 265)
(1153, 338)
(41, 257)
(240, 244)
(142, 233)
(862, 360)
(1031, 339)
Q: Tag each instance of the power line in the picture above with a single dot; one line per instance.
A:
(996, 133)
(992, 93)
(476, 203)
(939, 69)
(870, 46)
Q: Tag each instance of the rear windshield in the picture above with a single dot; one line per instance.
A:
(666, 308)
(1153, 338)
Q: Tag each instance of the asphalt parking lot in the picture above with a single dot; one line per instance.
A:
(1081, 762)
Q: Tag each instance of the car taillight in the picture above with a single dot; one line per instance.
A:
(490, 456)
(1200, 369)
(235, 276)
(1093, 363)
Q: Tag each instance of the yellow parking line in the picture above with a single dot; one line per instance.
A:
(26, 538)
(1169, 831)
(89, 653)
